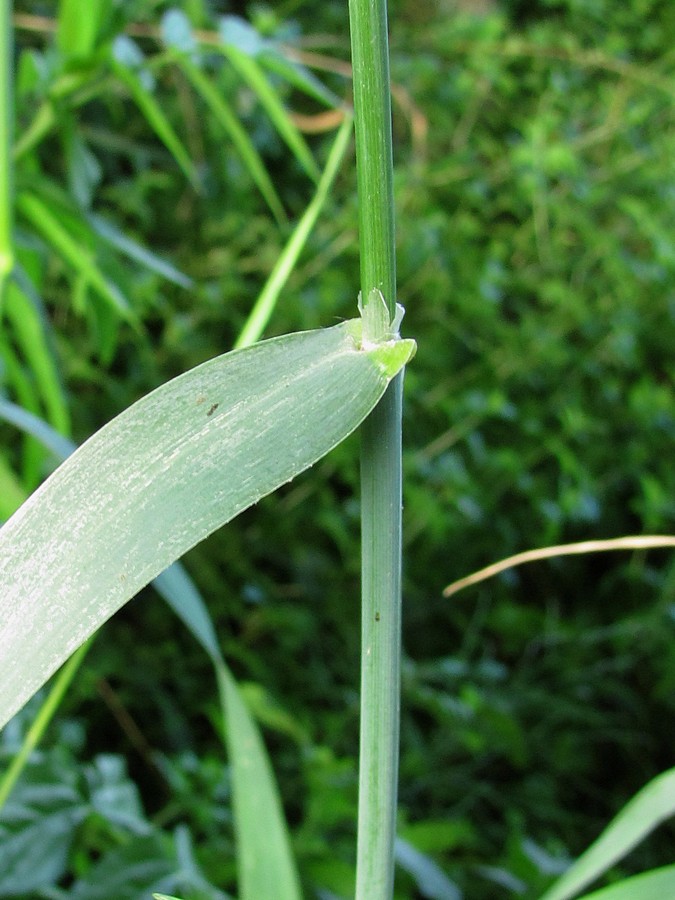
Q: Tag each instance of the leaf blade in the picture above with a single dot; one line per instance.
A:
(228, 121)
(652, 885)
(264, 306)
(264, 856)
(260, 862)
(159, 478)
(652, 805)
(45, 221)
(240, 43)
(148, 105)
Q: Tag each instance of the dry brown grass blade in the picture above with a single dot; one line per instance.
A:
(636, 542)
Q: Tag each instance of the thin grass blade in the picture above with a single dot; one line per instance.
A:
(140, 254)
(233, 128)
(657, 884)
(264, 859)
(25, 313)
(76, 89)
(61, 447)
(240, 44)
(40, 722)
(261, 313)
(253, 75)
(274, 59)
(46, 223)
(264, 853)
(150, 108)
(649, 808)
(178, 590)
(32, 454)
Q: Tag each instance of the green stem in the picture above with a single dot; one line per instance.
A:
(6, 115)
(380, 650)
(380, 469)
(374, 171)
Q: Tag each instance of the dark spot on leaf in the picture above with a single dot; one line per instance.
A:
(213, 408)
(377, 617)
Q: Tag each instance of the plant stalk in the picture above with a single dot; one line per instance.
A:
(380, 649)
(380, 469)
(6, 116)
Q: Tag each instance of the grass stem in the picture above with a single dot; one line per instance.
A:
(380, 469)
(380, 650)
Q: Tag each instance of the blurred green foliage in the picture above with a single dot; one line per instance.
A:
(536, 254)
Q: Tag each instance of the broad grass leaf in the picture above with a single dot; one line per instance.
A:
(162, 476)
(252, 777)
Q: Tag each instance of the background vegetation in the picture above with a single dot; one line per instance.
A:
(534, 148)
